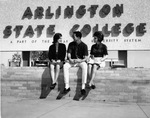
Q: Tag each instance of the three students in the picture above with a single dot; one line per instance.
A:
(77, 55)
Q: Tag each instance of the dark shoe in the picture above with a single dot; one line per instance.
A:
(66, 90)
(41, 97)
(59, 97)
(83, 92)
(53, 86)
(93, 86)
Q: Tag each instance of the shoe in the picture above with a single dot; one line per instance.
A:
(93, 86)
(83, 92)
(41, 97)
(66, 90)
(53, 86)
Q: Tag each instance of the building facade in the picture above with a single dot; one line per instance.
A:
(27, 28)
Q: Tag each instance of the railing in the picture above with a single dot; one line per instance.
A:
(111, 61)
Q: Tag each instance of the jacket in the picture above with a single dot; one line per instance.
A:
(60, 55)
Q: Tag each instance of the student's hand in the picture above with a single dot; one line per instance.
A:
(92, 56)
(58, 61)
(78, 60)
(71, 61)
(88, 59)
(102, 59)
(53, 61)
(67, 61)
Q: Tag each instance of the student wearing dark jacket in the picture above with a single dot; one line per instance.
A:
(57, 53)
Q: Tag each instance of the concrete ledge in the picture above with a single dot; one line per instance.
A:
(115, 85)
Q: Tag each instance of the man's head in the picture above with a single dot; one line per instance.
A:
(77, 35)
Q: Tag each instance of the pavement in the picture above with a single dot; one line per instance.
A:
(14, 107)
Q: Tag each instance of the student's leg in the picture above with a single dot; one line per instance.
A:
(52, 72)
(57, 71)
(89, 71)
(83, 66)
(66, 74)
(94, 69)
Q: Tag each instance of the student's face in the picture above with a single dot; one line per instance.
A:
(75, 37)
(95, 39)
(60, 40)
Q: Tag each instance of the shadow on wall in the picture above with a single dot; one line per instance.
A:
(78, 88)
(78, 94)
(46, 82)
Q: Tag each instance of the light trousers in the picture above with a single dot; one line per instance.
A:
(82, 65)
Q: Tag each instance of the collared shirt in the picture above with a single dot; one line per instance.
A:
(99, 50)
(77, 50)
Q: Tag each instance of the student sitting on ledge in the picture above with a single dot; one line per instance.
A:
(77, 55)
(57, 53)
(97, 58)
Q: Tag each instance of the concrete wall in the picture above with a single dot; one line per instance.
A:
(113, 85)
(131, 12)
(138, 46)
(139, 59)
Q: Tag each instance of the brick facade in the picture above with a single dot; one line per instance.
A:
(112, 85)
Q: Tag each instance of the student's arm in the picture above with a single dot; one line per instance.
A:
(85, 54)
(63, 52)
(104, 58)
(85, 59)
(50, 53)
(69, 51)
(69, 57)
(105, 53)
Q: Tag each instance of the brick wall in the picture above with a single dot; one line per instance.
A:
(112, 85)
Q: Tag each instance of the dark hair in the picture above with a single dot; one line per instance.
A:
(99, 35)
(78, 34)
(56, 37)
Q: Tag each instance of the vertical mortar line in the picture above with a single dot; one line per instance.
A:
(142, 110)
